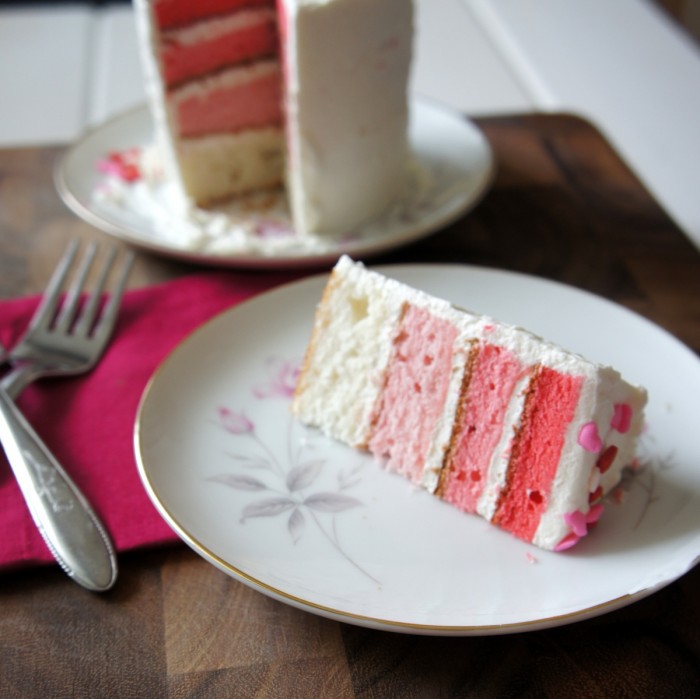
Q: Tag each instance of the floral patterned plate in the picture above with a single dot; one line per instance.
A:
(104, 178)
(324, 528)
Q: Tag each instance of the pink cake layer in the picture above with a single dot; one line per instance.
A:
(184, 61)
(549, 408)
(178, 13)
(415, 391)
(489, 383)
(232, 108)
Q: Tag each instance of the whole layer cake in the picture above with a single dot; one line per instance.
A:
(248, 94)
(486, 416)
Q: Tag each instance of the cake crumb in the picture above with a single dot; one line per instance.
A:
(619, 496)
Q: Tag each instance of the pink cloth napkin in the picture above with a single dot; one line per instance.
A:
(88, 421)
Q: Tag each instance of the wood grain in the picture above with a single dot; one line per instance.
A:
(563, 206)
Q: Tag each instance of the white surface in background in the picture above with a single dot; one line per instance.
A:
(620, 64)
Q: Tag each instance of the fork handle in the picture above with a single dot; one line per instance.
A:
(70, 528)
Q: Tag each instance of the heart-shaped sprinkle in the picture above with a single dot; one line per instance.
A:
(622, 417)
(594, 514)
(567, 542)
(589, 438)
(606, 459)
(596, 494)
(577, 521)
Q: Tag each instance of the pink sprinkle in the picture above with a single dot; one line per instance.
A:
(589, 439)
(577, 521)
(531, 558)
(594, 514)
(108, 167)
(567, 542)
(273, 229)
(622, 418)
(121, 164)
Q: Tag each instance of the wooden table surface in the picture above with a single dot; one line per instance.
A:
(564, 207)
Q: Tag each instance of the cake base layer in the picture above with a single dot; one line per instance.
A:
(217, 167)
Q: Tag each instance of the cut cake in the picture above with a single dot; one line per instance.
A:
(484, 415)
(248, 94)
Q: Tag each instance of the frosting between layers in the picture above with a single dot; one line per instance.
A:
(176, 13)
(232, 100)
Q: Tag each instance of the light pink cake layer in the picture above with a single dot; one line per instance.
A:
(549, 408)
(493, 373)
(231, 106)
(415, 391)
(187, 54)
(178, 13)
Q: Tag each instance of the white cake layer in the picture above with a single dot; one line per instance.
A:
(350, 346)
(212, 167)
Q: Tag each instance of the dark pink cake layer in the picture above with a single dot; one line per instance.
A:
(493, 373)
(549, 408)
(178, 13)
(184, 61)
(414, 394)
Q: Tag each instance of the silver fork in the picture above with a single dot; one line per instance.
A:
(62, 338)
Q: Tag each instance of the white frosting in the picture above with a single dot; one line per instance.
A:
(497, 469)
(223, 80)
(254, 224)
(347, 66)
(215, 27)
(164, 126)
(571, 486)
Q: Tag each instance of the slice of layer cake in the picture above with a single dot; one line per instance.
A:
(248, 94)
(486, 416)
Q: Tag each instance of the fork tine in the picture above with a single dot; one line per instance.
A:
(109, 315)
(89, 312)
(45, 312)
(72, 301)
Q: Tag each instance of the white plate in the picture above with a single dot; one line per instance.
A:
(454, 158)
(362, 545)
